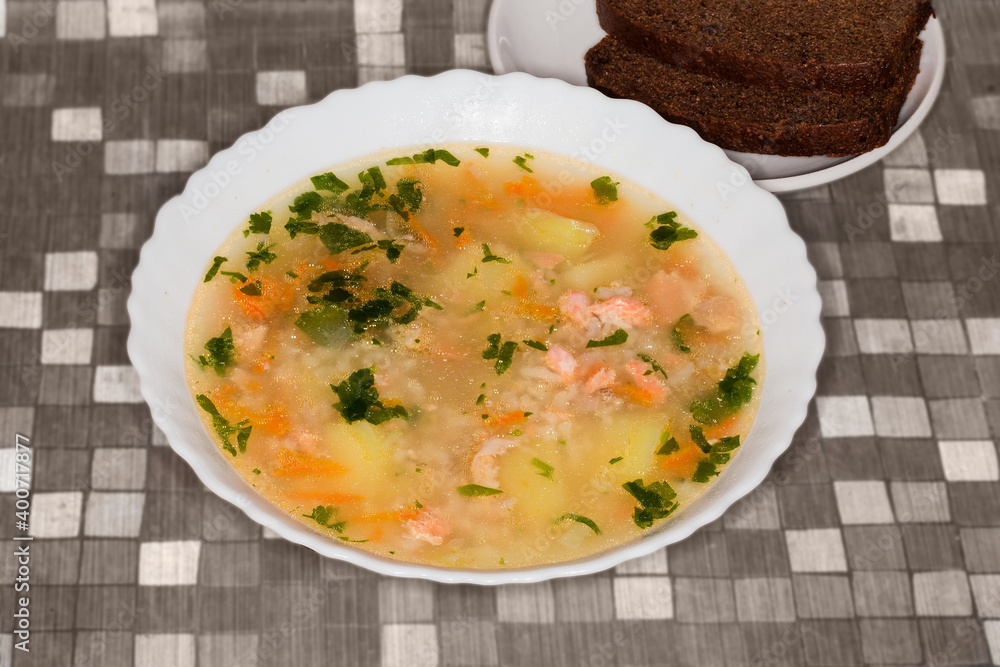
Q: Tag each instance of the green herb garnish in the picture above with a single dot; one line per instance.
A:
(261, 254)
(216, 265)
(544, 469)
(221, 352)
(488, 256)
(477, 491)
(668, 444)
(734, 391)
(235, 277)
(522, 162)
(589, 523)
(605, 190)
(224, 429)
(667, 231)
(503, 353)
(338, 237)
(656, 368)
(359, 400)
(457, 231)
(306, 203)
(616, 460)
(252, 289)
(617, 338)
(655, 501)
(330, 183)
(536, 344)
(705, 471)
(294, 227)
(485, 152)
(677, 336)
(260, 223)
(322, 514)
(430, 156)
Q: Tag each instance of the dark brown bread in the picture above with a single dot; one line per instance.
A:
(858, 46)
(752, 119)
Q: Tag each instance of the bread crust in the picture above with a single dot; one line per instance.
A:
(621, 20)
(618, 70)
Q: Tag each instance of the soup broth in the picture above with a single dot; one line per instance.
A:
(474, 357)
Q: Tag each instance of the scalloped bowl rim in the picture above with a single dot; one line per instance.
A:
(462, 106)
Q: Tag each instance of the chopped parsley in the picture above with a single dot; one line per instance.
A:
(295, 227)
(616, 460)
(656, 368)
(306, 203)
(734, 391)
(214, 269)
(503, 353)
(477, 491)
(359, 400)
(485, 152)
(326, 325)
(457, 231)
(479, 306)
(668, 444)
(605, 190)
(589, 523)
(705, 471)
(617, 338)
(488, 256)
(655, 501)
(544, 469)
(408, 197)
(262, 254)
(338, 237)
(430, 156)
(536, 344)
(260, 223)
(322, 514)
(221, 352)
(252, 289)
(677, 335)
(667, 231)
(330, 183)
(522, 162)
(256, 471)
(235, 277)
(698, 438)
(291, 274)
(480, 399)
(393, 249)
(373, 179)
(418, 505)
(224, 429)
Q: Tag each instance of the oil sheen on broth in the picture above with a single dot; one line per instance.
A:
(474, 357)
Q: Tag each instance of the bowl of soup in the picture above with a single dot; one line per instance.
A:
(476, 329)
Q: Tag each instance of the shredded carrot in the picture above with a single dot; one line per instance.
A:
(724, 429)
(506, 419)
(274, 297)
(262, 364)
(321, 497)
(422, 233)
(527, 187)
(634, 394)
(299, 464)
(275, 421)
(329, 263)
(683, 463)
(463, 240)
(537, 311)
(520, 287)
(386, 517)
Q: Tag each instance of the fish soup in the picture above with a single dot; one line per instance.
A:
(474, 357)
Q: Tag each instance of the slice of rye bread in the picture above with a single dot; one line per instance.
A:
(858, 46)
(752, 119)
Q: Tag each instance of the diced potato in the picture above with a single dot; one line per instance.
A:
(539, 499)
(638, 442)
(549, 232)
(366, 450)
(597, 273)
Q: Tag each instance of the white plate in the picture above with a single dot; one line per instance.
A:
(550, 37)
(626, 138)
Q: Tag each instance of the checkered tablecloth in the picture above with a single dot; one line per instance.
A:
(876, 539)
